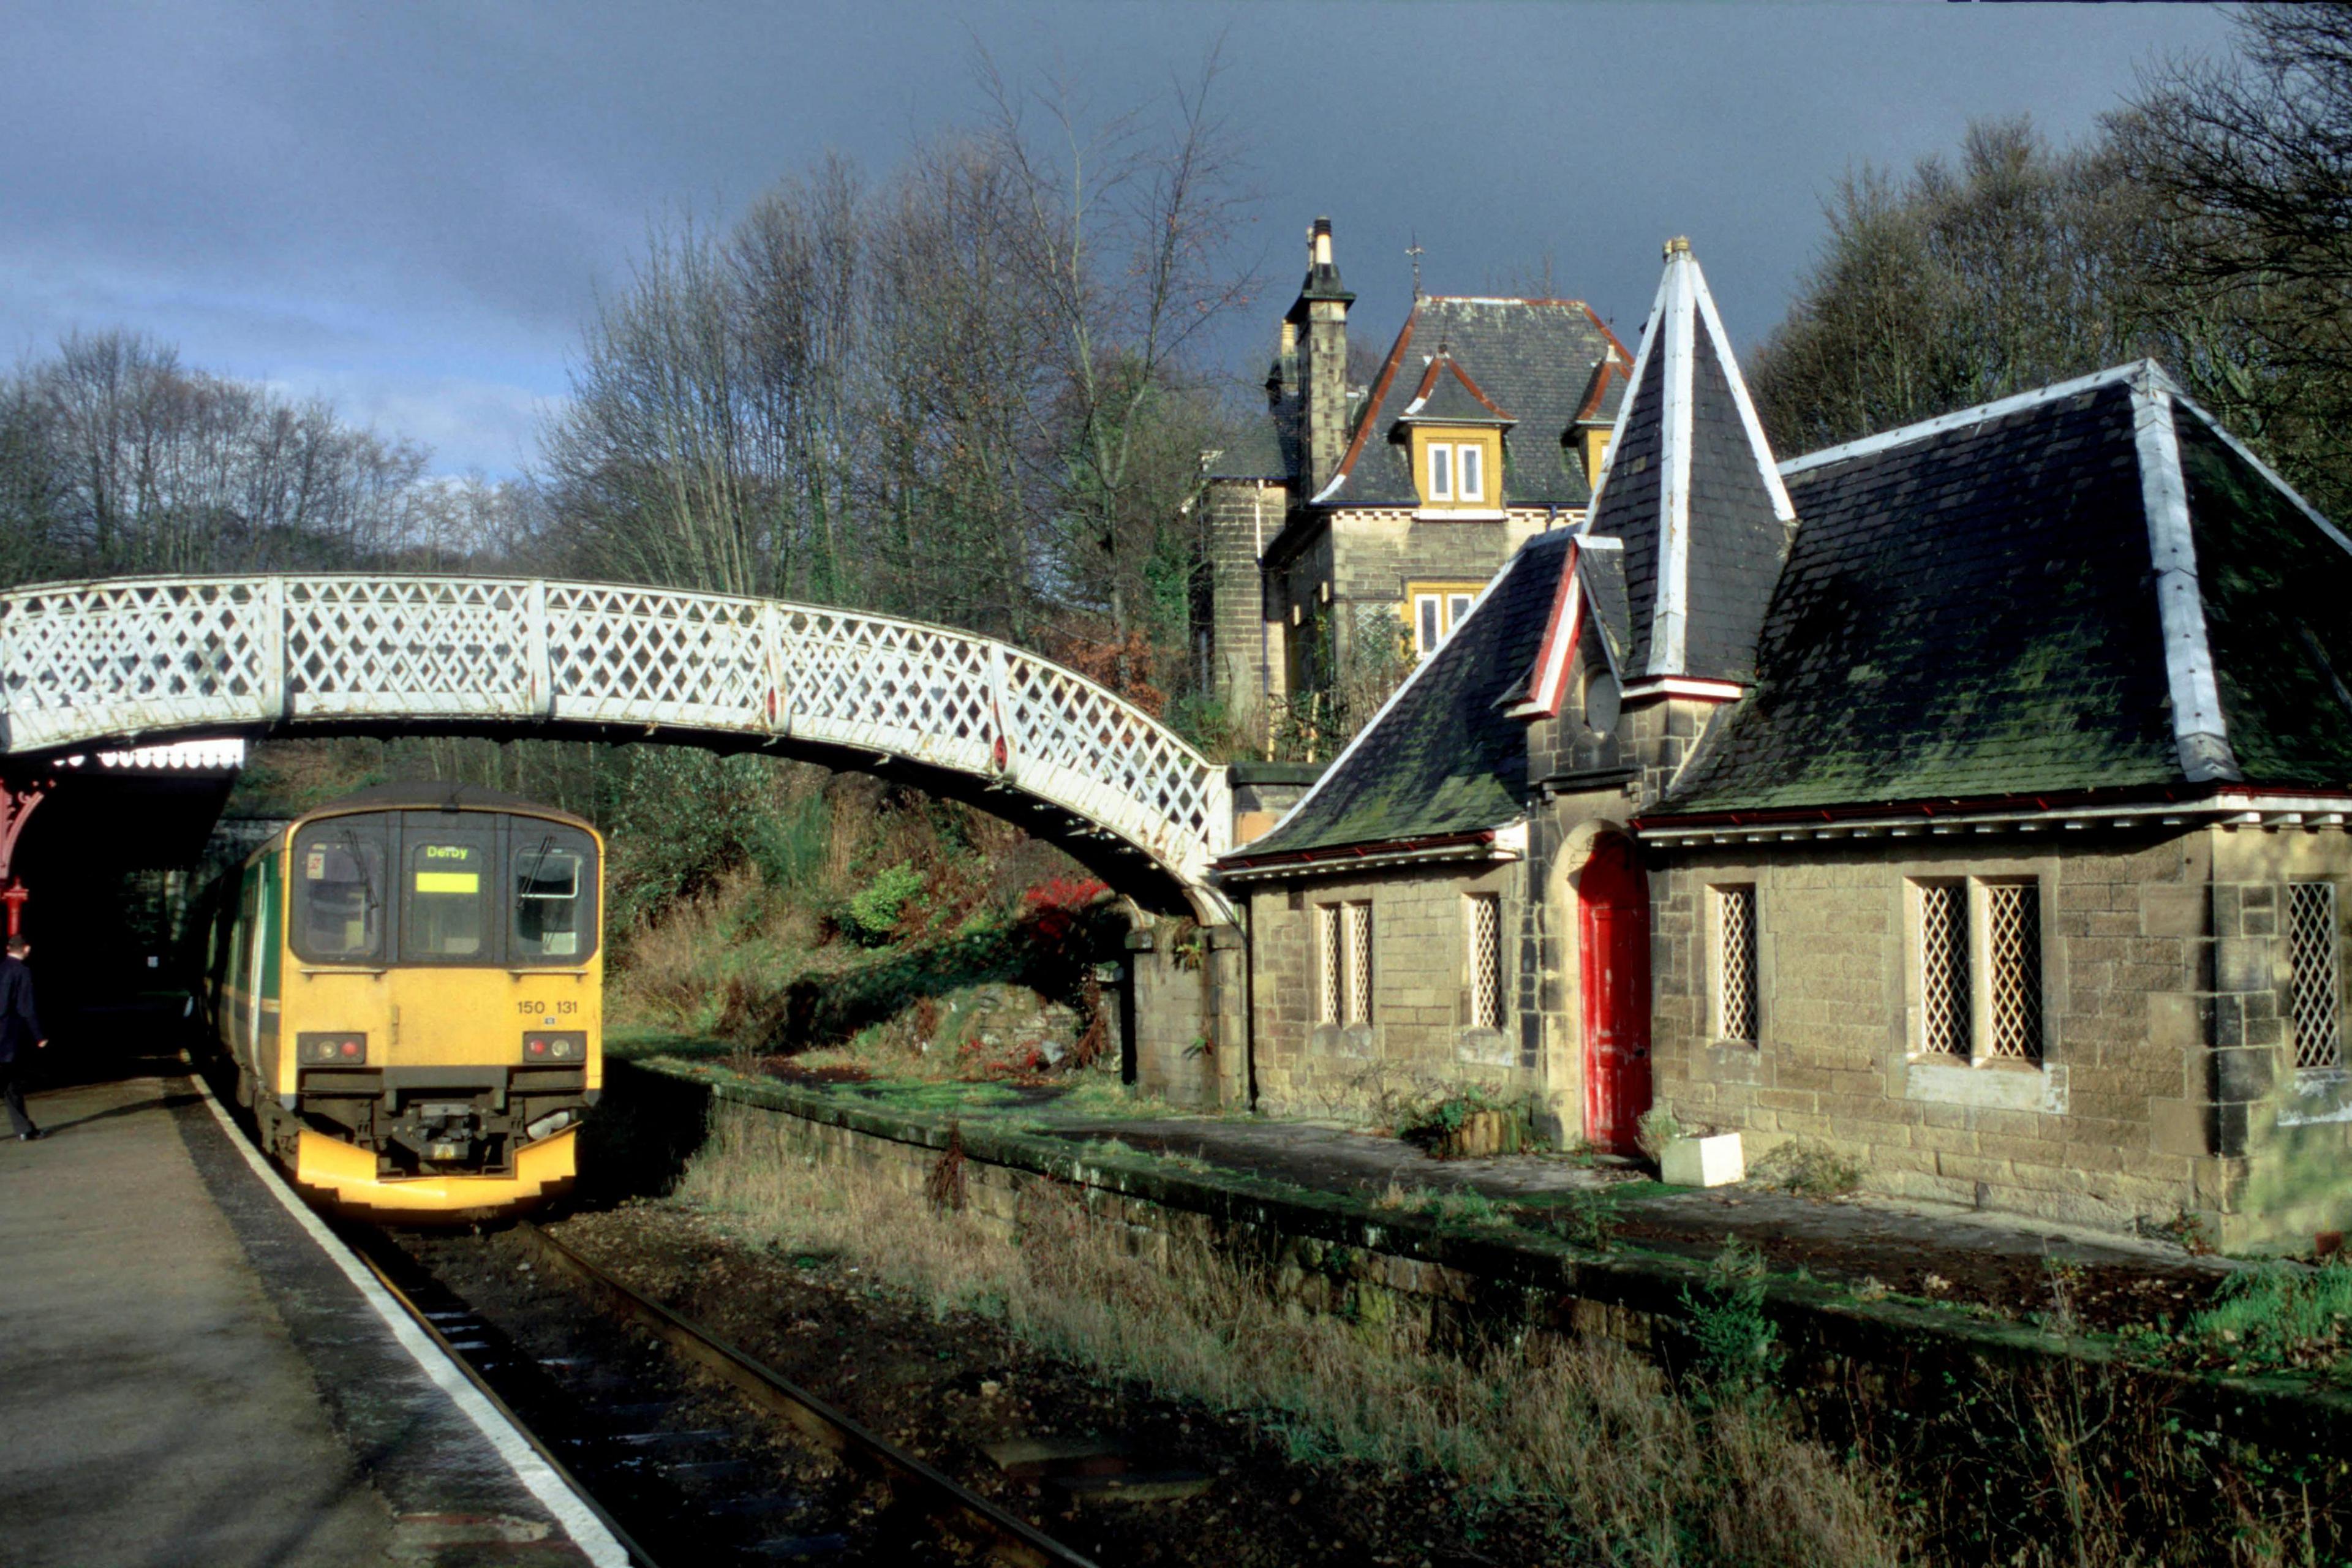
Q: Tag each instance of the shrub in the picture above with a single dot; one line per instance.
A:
(873, 912)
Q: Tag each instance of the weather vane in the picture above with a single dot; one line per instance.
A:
(1413, 251)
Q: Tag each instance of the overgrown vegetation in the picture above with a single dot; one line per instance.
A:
(1470, 1120)
(1588, 1444)
(1807, 1167)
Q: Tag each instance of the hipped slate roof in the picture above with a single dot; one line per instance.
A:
(2089, 587)
(1535, 358)
(1690, 486)
(1443, 758)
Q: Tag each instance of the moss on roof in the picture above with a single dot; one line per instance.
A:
(1444, 757)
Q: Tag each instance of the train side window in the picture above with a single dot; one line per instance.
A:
(554, 893)
(446, 898)
(337, 871)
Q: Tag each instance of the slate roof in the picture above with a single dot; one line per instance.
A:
(1447, 395)
(1535, 358)
(1443, 757)
(1689, 485)
(2088, 588)
(1264, 450)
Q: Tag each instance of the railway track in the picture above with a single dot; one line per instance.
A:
(680, 1474)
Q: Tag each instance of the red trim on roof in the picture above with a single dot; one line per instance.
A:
(1546, 683)
(1611, 369)
(1444, 360)
(1372, 404)
(1622, 352)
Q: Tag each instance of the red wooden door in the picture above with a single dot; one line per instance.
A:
(1615, 897)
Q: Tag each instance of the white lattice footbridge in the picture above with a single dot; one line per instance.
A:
(143, 659)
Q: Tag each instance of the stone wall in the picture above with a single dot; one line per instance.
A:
(2106, 1129)
(2283, 1133)
(1418, 1041)
(1246, 646)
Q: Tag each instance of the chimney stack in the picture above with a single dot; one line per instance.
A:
(1321, 309)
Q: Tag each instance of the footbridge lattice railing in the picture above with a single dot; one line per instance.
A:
(106, 660)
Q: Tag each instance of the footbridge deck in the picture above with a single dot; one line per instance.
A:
(122, 659)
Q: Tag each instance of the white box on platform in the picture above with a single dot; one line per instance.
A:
(1714, 1161)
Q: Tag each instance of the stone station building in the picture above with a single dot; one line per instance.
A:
(1969, 799)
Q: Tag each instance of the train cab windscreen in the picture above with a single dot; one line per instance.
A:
(339, 892)
(553, 904)
(479, 892)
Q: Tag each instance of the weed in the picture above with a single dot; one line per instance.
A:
(2185, 1231)
(1469, 1122)
(1657, 1128)
(1807, 1168)
(1588, 1217)
(1460, 1206)
(1738, 1357)
(945, 1185)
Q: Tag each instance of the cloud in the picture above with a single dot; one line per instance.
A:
(471, 426)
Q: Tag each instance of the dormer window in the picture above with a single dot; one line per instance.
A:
(1453, 470)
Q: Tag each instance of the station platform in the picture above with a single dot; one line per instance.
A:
(190, 1374)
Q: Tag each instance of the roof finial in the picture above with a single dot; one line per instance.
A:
(1413, 251)
(1678, 245)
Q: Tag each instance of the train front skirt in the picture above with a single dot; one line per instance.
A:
(346, 1174)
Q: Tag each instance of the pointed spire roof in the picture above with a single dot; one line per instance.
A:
(1690, 488)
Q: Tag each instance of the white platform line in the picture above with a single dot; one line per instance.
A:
(579, 1522)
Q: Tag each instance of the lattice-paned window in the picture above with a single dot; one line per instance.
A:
(2013, 970)
(1485, 916)
(1944, 998)
(1735, 964)
(1357, 945)
(1330, 983)
(2314, 992)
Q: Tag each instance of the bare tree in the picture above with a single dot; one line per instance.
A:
(143, 465)
(1124, 241)
(2249, 157)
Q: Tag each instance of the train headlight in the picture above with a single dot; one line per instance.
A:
(341, 1048)
(555, 1046)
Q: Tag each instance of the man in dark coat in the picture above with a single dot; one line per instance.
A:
(20, 1034)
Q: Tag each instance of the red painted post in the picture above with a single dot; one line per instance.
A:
(16, 803)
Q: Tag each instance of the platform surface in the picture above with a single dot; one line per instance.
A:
(187, 1378)
(156, 1409)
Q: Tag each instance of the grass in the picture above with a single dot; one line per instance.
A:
(2277, 1318)
(1591, 1442)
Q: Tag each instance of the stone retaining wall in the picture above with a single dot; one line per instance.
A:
(1333, 1253)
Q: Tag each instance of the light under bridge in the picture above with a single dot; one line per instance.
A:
(123, 661)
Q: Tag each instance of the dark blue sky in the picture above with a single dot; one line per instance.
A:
(409, 207)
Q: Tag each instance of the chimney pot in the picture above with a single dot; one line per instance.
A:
(1319, 239)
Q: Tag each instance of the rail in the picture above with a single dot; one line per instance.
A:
(949, 1507)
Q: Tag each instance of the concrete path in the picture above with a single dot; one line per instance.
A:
(154, 1407)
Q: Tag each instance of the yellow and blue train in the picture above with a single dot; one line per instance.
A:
(409, 983)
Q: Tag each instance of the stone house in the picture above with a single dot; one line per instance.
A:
(1356, 523)
(1969, 799)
